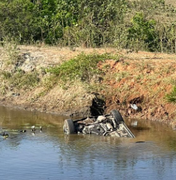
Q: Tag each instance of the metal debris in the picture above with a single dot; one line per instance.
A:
(104, 125)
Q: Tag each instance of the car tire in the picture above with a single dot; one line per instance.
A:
(117, 116)
(69, 127)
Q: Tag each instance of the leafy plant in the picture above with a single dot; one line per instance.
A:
(171, 97)
(142, 30)
(83, 67)
(92, 23)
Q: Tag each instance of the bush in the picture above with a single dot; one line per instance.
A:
(91, 23)
(83, 67)
(142, 31)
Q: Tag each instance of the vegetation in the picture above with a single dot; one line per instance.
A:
(129, 24)
(171, 97)
(83, 67)
(133, 24)
(20, 79)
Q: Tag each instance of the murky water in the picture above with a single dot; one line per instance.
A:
(49, 154)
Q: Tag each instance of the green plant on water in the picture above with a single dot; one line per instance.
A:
(171, 97)
(83, 67)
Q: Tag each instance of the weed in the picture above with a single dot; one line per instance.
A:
(24, 80)
(139, 77)
(122, 75)
(3, 88)
(171, 97)
(6, 74)
(83, 67)
(10, 51)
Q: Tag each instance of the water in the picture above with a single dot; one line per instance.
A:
(52, 155)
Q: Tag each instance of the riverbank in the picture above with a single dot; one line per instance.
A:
(142, 78)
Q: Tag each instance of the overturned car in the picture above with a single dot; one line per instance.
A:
(106, 125)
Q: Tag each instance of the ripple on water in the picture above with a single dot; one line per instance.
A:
(53, 155)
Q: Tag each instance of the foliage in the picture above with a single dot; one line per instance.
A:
(142, 30)
(172, 96)
(83, 67)
(143, 24)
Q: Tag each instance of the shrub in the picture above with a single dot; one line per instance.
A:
(83, 67)
(142, 30)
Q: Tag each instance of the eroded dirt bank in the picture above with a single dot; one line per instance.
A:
(140, 78)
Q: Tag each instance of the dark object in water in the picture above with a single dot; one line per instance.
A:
(140, 141)
(107, 125)
(23, 131)
(5, 135)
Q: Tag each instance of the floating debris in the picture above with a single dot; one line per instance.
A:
(5, 135)
(140, 141)
(33, 128)
(23, 131)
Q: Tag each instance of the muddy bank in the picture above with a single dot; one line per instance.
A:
(136, 84)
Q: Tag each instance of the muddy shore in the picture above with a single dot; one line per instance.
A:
(140, 79)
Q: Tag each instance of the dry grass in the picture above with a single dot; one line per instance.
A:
(172, 2)
(151, 75)
(74, 97)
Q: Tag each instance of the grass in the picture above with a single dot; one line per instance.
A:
(172, 2)
(171, 97)
(3, 88)
(122, 75)
(83, 67)
(20, 79)
(10, 52)
(72, 82)
(80, 71)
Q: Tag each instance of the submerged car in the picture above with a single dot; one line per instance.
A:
(105, 125)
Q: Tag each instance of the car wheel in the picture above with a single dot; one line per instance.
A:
(69, 127)
(117, 116)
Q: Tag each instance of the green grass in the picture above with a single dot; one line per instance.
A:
(171, 97)
(83, 67)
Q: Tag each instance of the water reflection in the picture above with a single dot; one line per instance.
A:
(52, 155)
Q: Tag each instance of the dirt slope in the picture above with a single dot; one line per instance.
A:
(141, 78)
